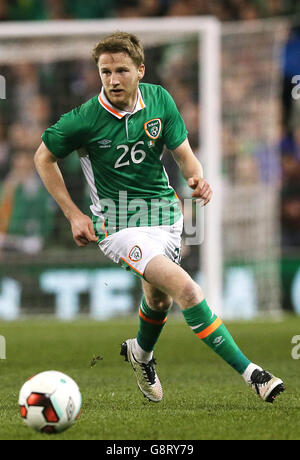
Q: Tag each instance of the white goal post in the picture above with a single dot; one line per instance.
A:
(30, 40)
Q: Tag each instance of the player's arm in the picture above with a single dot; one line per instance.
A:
(47, 167)
(192, 171)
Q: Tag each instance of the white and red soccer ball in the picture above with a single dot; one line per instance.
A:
(50, 402)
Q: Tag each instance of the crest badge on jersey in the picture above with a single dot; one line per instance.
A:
(153, 128)
(135, 254)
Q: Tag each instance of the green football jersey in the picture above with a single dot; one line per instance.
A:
(120, 154)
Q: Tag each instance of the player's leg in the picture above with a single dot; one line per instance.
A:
(153, 312)
(171, 279)
(133, 248)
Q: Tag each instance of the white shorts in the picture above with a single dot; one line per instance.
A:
(134, 247)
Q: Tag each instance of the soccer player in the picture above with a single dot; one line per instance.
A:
(120, 135)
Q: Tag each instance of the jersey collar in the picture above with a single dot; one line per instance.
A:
(117, 112)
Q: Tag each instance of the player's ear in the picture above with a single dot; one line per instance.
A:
(141, 71)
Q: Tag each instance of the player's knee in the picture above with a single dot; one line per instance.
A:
(189, 294)
(159, 303)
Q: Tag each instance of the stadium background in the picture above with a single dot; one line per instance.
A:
(41, 270)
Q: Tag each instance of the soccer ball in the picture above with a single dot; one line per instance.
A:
(50, 402)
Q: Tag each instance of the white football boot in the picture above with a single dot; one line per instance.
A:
(147, 379)
(266, 385)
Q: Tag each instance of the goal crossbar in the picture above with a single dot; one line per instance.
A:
(62, 28)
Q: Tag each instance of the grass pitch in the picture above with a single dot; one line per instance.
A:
(204, 399)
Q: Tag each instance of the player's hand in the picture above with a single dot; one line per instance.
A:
(83, 230)
(202, 190)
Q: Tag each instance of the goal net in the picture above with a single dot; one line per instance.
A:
(227, 92)
(251, 130)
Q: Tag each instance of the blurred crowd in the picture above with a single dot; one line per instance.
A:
(290, 140)
(38, 94)
(14, 10)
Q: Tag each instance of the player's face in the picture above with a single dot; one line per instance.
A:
(120, 78)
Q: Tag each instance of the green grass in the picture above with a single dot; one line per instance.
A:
(203, 397)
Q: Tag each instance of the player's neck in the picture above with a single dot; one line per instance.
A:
(128, 106)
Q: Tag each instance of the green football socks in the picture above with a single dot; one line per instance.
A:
(151, 325)
(205, 324)
(210, 329)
